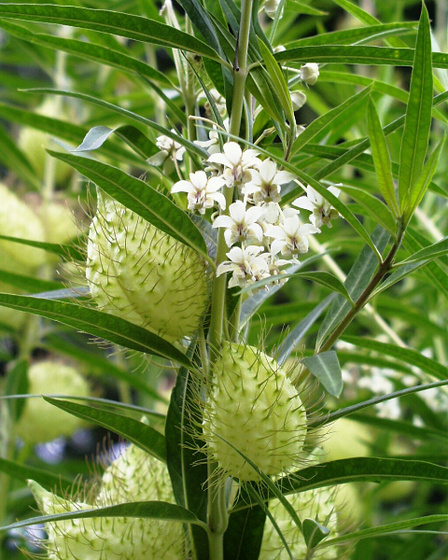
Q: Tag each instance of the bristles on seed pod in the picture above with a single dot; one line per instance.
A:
(138, 272)
(319, 505)
(116, 538)
(254, 407)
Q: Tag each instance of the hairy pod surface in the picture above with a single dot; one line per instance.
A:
(254, 407)
(314, 504)
(117, 538)
(137, 272)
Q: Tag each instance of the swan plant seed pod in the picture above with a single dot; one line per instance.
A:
(113, 538)
(138, 272)
(254, 407)
(313, 504)
(41, 421)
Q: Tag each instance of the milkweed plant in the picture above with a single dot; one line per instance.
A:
(223, 276)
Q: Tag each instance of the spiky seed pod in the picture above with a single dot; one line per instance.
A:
(116, 538)
(254, 406)
(137, 272)
(314, 504)
(40, 421)
(17, 219)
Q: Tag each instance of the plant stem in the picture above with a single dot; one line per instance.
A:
(217, 508)
(383, 269)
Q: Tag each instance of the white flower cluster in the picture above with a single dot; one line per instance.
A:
(261, 235)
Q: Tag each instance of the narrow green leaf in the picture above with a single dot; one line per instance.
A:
(353, 409)
(358, 469)
(414, 142)
(191, 146)
(376, 56)
(325, 367)
(325, 121)
(11, 157)
(314, 533)
(407, 355)
(327, 279)
(434, 251)
(144, 510)
(87, 50)
(98, 324)
(243, 537)
(279, 84)
(64, 130)
(108, 21)
(381, 159)
(28, 283)
(373, 206)
(201, 21)
(63, 250)
(45, 478)
(356, 281)
(300, 330)
(396, 527)
(187, 465)
(139, 433)
(141, 198)
(421, 185)
(355, 35)
(436, 273)
(16, 383)
(60, 344)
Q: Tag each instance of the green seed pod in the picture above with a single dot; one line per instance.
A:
(41, 421)
(314, 504)
(33, 142)
(109, 538)
(254, 407)
(17, 219)
(137, 272)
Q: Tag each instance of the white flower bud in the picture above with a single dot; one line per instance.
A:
(309, 73)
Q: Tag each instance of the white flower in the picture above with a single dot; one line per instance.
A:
(170, 148)
(212, 145)
(203, 192)
(247, 266)
(238, 163)
(290, 238)
(241, 224)
(309, 73)
(322, 211)
(266, 181)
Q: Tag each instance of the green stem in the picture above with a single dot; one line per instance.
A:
(217, 508)
(383, 269)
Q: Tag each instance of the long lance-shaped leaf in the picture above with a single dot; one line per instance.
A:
(398, 528)
(141, 198)
(97, 323)
(44, 477)
(376, 56)
(356, 35)
(381, 159)
(406, 355)
(325, 367)
(357, 469)
(144, 436)
(108, 21)
(414, 142)
(144, 510)
(325, 121)
(125, 113)
(435, 250)
(13, 158)
(60, 129)
(87, 50)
